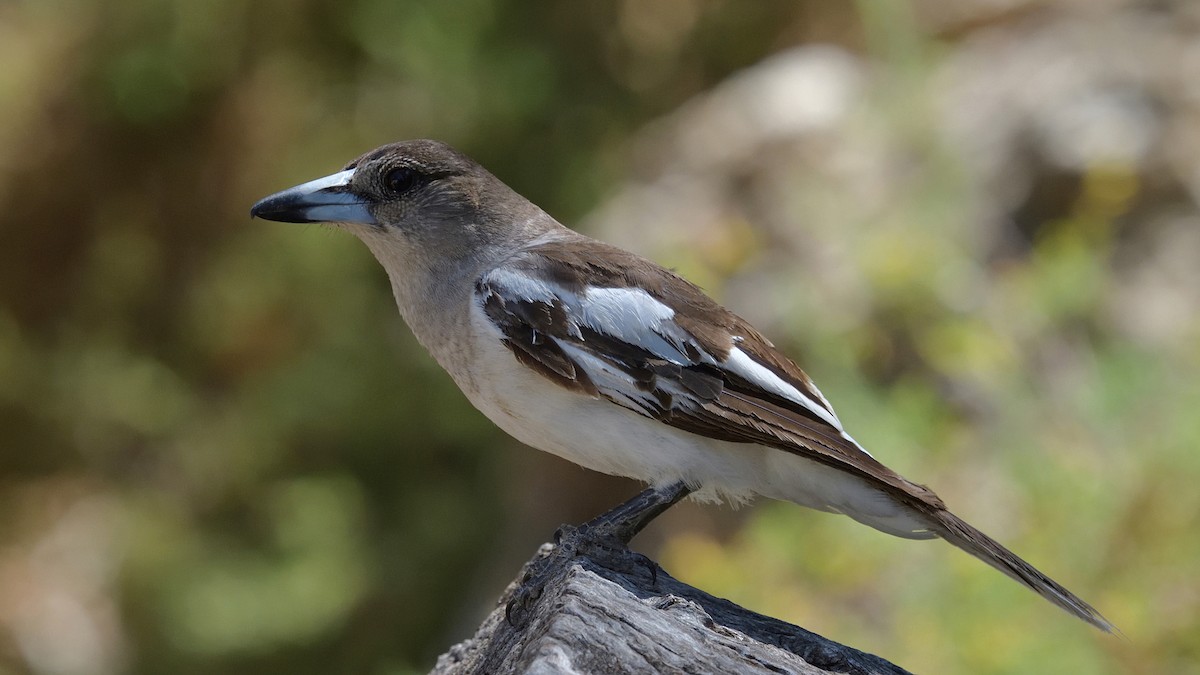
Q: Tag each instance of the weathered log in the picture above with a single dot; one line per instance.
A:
(608, 611)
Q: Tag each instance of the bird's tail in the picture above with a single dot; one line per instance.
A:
(958, 532)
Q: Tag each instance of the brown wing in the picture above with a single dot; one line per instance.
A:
(678, 370)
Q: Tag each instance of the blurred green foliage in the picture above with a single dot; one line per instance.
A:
(220, 450)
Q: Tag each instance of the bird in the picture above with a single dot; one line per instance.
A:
(584, 350)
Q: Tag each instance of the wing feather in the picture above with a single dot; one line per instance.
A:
(612, 325)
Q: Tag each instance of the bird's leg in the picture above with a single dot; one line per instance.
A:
(624, 521)
(609, 532)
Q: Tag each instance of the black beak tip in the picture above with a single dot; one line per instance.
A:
(261, 209)
(280, 210)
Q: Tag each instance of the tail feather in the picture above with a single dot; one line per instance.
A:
(958, 532)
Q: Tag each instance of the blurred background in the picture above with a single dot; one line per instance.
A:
(974, 223)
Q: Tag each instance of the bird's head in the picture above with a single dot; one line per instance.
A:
(418, 195)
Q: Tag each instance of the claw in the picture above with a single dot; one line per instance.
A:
(649, 564)
(508, 614)
(610, 531)
(523, 598)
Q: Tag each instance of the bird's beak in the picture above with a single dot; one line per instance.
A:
(324, 200)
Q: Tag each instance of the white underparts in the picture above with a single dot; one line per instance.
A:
(615, 438)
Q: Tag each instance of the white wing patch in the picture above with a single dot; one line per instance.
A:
(524, 286)
(741, 364)
(628, 314)
(634, 316)
(624, 313)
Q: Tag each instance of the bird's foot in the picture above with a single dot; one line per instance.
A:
(604, 537)
(595, 540)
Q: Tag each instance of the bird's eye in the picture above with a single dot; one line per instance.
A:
(400, 180)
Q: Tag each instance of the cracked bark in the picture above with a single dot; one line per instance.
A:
(605, 612)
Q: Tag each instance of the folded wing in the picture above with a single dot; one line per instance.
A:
(601, 321)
